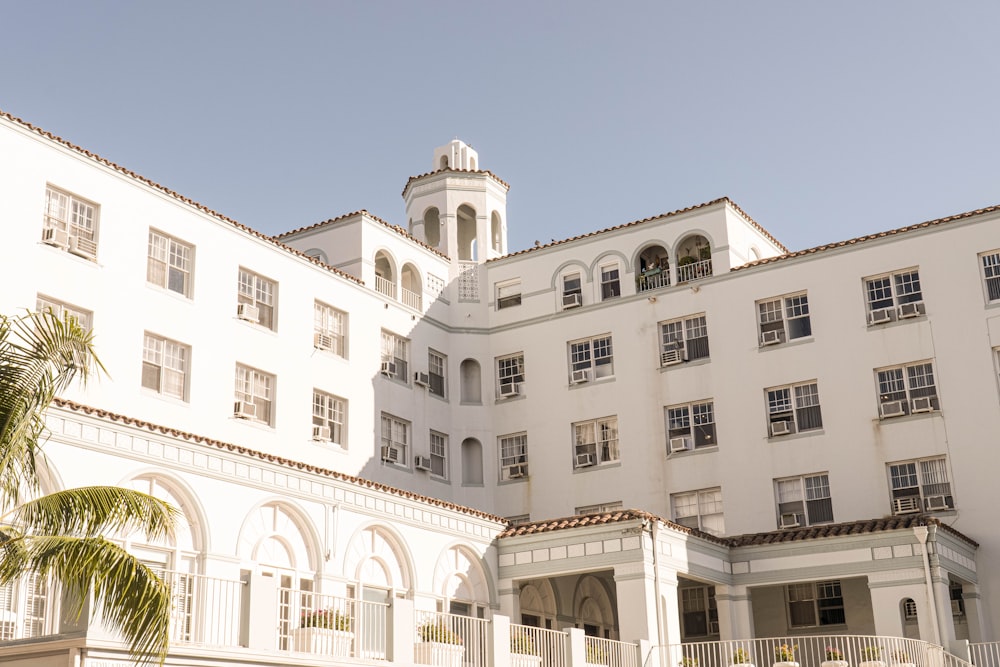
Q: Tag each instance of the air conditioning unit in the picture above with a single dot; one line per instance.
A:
(937, 502)
(247, 312)
(322, 341)
(573, 300)
(770, 337)
(713, 627)
(390, 454)
(924, 404)
(244, 410)
(789, 520)
(907, 310)
(956, 608)
(517, 471)
(422, 379)
(510, 389)
(906, 505)
(671, 357)
(422, 462)
(83, 247)
(781, 428)
(893, 409)
(387, 368)
(321, 433)
(584, 460)
(880, 316)
(580, 376)
(681, 444)
(55, 237)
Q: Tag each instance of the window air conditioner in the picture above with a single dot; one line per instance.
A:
(510, 389)
(713, 627)
(956, 608)
(789, 520)
(387, 368)
(781, 428)
(907, 310)
(245, 410)
(584, 460)
(422, 379)
(580, 376)
(572, 300)
(893, 409)
(390, 454)
(321, 433)
(322, 341)
(770, 338)
(906, 505)
(880, 316)
(247, 312)
(517, 471)
(422, 462)
(671, 357)
(83, 247)
(55, 237)
(923, 404)
(937, 503)
(681, 444)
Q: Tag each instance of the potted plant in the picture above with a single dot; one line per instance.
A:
(522, 650)
(834, 657)
(741, 657)
(784, 655)
(438, 645)
(871, 657)
(326, 631)
(688, 662)
(901, 658)
(596, 655)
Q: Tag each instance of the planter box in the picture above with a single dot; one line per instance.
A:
(525, 660)
(785, 663)
(323, 641)
(437, 654)
(871, 663)
(834, 663)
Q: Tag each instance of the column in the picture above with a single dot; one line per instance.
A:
(636, 599)
(509, 598)
(735, 612)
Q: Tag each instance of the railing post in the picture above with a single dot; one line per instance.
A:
(576, 649)
(499, 642)
(259, 613)
(401, 631)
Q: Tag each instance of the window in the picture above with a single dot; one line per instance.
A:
(991, 274)
(699, 509)
(64, 311)
(165, 366)
(591, 358)
(254, 395)
(595, 442)
(684, 339)
(439, 454)
(893, 296)
(572, 291)
(690, 426)
(510, 374)
(610, 282)
(169, 263)
(920, 486)
(599, 508)
(513, 456)
(436, 367)
(804, 501)
(784, 318)
(24, 608)
(699, 614)
(395, 438)
(815, 604)
(395, 356)
(255, 301)
(329, 329)
(329, 418)
(904, 390)
(508, 294)
(70, 223)
(785, 416)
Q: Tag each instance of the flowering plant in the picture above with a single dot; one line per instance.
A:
(740, 656)
(520, 642)
(325, 618)
(834, 653)
(785, 653)
(437, 632)
(871, 652)
(900, 656)
(596, 654)
(688, 662)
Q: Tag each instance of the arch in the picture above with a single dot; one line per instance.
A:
(592, 605)
(694, 257)
(432, 226)
(652, 267)
(444, 162)
(190, 533)
(460, 574)
(607, 258)
(472, 462)
(537, 598)
(376, 556)
(568, 267)
(277, 534)
(409, 278)
(908, 618)
(316, 253)
(471, 376)
(467, 232)
(385, 274)
(472, 163)
(496, 232)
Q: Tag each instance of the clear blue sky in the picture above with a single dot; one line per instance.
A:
(823, 120)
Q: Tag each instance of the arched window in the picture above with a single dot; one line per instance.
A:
(496, 232)
(472, 462)
(411, 288)
(432, 227)
(444, 162)
(472, 382)
(466, 232)
(385, 278)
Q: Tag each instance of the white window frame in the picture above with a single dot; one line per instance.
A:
(611, 284)
(989, 269)
(396, 350)
(920, 479)
(331, 411)
(437, 373)
(599, 438)
(396, 433)
(694, 421)
(571, 284)
(599, 508)
(257, 387)
(508, 294)
(819, 596)
(169, 263)
(699, 601)
(685, 334)
(701, 510)
(255, 290)
(513, 450)
(885, 293)
(510, 371)
(788, 315)
(26, 608)
(810, 493)
(77, 217)
(790, 403)
(329, 329)
(594, 355)
(905, 383)
(63, 310)
(170, 361)
(438, 443)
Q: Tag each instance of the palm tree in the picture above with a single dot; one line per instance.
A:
(63, 534)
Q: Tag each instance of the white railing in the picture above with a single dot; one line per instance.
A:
(610, 652)
(412, 299)
(531, 647)
(332, 626)
(205, 610)
(385, 286)
(450, 639)
(688, 272)
(985, 654)
(652, 280)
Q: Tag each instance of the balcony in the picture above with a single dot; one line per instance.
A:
(652, 279)
(385, 286)
(412, 299)
(694, 271)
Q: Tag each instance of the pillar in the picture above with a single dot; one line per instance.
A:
(735, 612)
(636, 599)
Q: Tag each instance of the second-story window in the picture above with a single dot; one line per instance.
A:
(395, 357)
(436, 369)
(84, 318)
(803, 501)
(439, 454)
(254, 395)
(700, 509)
(169, 263)
(793, 408)
(782, 319)
(329, 329)
(595, 442)
(683, 339)
(510, 375)
(691, 426)
(256, 299)
(165, 366)
(329, 418)
(591, 358)
(920, 486)
(908, 389)
(513, 456)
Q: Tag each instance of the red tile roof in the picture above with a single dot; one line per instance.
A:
(396, 228)
(496, 178)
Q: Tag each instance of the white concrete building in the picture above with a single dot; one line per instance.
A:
(345, 412)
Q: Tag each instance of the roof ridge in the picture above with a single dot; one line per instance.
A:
(396, 228)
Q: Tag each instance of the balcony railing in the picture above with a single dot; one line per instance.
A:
(449, 639)
(530, 646)
(205, 610)
(650, 280)
(610, 652)
(385, 286)
(985, 654)
(332, 626)
(412, 299)
(695, 271)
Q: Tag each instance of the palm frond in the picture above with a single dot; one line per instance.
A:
(92, 510)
